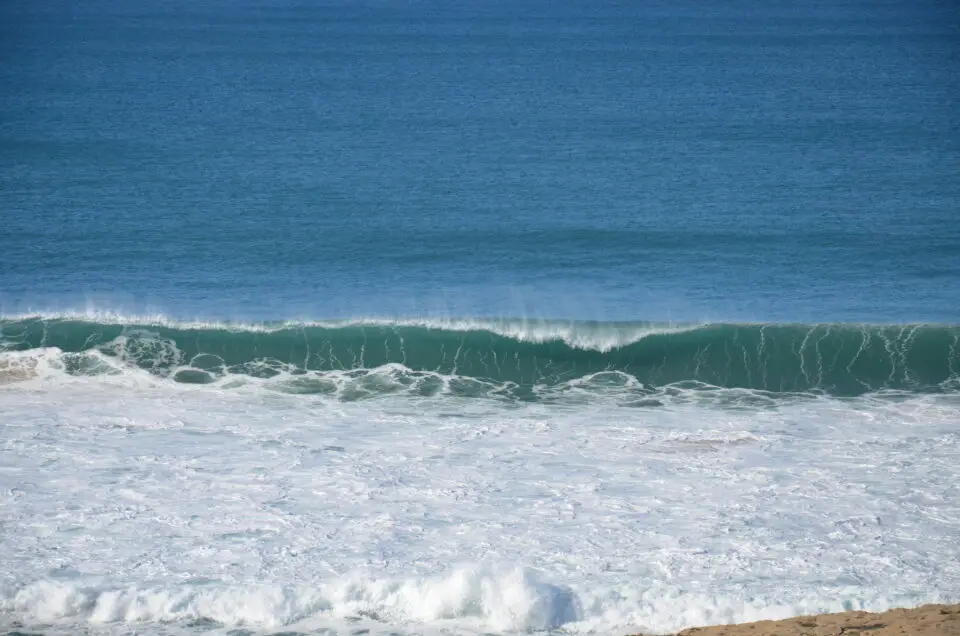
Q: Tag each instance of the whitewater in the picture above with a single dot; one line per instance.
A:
(174, 477)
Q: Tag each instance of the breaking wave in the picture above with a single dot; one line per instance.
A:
(477, 357)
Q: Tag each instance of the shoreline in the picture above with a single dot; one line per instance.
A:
(925, 620)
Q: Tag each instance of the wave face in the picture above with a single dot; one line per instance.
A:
(836, 359)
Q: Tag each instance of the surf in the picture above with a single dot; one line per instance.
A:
(523, 356)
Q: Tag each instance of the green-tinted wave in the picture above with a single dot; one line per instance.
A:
(838, 359)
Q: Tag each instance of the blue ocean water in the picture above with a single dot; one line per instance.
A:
(679, 161)
(476, 317)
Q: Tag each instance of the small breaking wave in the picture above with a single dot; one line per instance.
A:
(481, 599)
(467, 599)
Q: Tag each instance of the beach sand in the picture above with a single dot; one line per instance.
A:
(927, 620)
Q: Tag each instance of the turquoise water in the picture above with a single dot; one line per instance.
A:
(604, 161)
(528, 360)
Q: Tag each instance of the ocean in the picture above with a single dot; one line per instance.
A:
(476, 317)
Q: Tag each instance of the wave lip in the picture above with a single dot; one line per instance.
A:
(522, 357)
(588, 335)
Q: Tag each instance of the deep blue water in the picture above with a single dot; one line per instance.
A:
(598, 160)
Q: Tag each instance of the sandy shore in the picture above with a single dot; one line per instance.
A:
(927, 620)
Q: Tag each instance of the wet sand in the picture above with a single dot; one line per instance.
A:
(927, 620)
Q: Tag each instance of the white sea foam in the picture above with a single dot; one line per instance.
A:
(467, 599)
(130, 502)
(503, 599)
